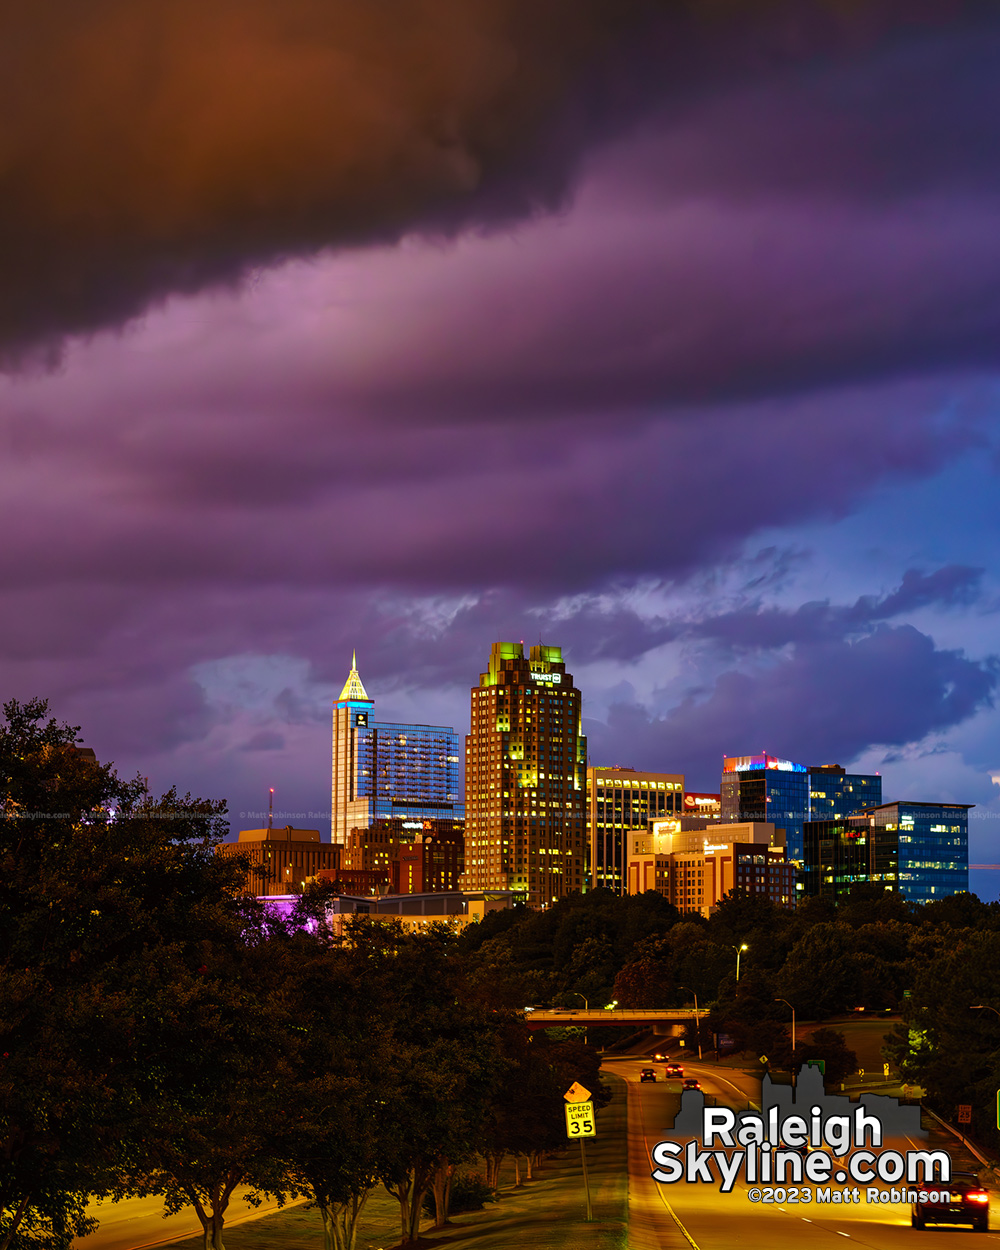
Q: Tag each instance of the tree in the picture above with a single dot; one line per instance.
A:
(100, 887)
(822, 974)
(345, 1061)
(831, 1047)
(218, 1112)
(943, 1045)
(448, 1056)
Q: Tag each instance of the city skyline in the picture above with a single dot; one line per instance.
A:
(678, 348)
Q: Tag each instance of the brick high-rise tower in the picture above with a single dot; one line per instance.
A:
(525, 777)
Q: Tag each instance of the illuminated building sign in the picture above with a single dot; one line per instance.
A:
(753, 763)
(555, 678)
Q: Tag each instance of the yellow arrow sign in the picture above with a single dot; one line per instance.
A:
(577, 1093)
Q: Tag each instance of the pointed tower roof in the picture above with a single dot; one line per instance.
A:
(354, 688)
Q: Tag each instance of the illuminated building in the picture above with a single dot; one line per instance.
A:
(415, 912)
(431, 864)
(281, 859)
(703, 806)
(919, 849)
(695, 868)
(620, 799)
(764, 787)
(383, 770)
(525, 778)
(386, 845)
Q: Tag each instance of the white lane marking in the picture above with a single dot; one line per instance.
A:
(742, 1092)
(840, 1234)
(804, 1220)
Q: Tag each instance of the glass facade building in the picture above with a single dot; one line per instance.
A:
(919, 849)
(384, 769)
(619, 800)
(766, 788)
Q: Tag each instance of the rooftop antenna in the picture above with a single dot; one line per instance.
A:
(270, 806)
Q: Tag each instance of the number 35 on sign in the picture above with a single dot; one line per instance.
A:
(580, 1119)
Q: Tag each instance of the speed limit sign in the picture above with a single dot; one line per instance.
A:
(580, 1119)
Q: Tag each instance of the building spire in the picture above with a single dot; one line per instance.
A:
(354, 689)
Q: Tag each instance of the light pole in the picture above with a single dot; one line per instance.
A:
(985, 1007)
(697, 1017)
(739, 951)
(577, 994)
(788, 1004)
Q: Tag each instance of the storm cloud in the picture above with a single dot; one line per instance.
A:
(150, 147)
(666, 332)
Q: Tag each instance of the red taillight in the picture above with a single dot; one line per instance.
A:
(981, 1197)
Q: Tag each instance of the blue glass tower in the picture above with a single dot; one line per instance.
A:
(383, 769)
(764, 787)
(919, 849)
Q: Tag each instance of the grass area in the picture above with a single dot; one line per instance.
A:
(548, 1213)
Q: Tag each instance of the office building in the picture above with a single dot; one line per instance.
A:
(525, 778)
(766, 788)
(704, 806)
(835, 794)
(919, 849)
(618, 800)
(382, 846)
(694, 868)
(281, 860)
(356, 881)
(383, 769)
(432, 863)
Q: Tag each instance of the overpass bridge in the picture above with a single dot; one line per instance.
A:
(567, 1017)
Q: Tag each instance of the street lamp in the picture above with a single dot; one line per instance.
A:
(788, 1004)
(586, 1032)
(985, 1007)
(697, 1017)
(739, 951)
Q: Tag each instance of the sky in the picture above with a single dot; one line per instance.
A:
(665, 332)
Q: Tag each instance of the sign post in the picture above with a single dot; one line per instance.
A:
(580, 1123)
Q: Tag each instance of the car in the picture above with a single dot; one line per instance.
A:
(691, 1083)
(646, 1074)
(673, 1070)
(659, 1056)
(970, 1204)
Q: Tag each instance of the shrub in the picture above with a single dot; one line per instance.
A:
(469, 1192)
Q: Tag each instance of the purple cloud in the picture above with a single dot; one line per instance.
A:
(155, 148)
(824, 702)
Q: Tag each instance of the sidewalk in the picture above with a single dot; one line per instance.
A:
(548, 1213)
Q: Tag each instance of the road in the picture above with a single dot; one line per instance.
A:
(138, 1222)
(698, 1217)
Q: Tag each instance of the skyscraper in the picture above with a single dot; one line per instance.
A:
(525, 777)
(920, 850)
(764, 787)
(618, 800)
(382, 769)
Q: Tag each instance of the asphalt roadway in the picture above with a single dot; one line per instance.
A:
(686, 1216)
